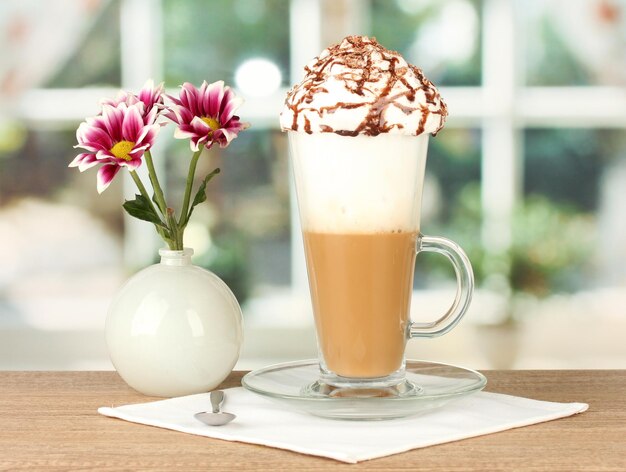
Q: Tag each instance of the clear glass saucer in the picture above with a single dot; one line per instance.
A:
(428, 385)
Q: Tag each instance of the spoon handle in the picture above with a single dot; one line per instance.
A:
(217, 398)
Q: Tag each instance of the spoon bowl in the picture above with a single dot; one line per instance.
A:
(216, 417)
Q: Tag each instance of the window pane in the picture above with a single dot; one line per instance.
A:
(577, 42)
(573, 219)
(209, 40)
(96, 60)
(34, 165)
(566, 165)
(451, 200)
(440, 37)
(246, 218)
(65, 259)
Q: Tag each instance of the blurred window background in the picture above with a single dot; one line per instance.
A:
(529, 175)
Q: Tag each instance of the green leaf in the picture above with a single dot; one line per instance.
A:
(141, 208)
(201, 193)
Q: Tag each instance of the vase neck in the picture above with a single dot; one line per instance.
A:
(176, 258)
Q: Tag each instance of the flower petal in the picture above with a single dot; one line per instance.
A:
(194, 144)
(229, 108)
(235, 125)
(112, 119)
(189, 98)
(106, 173)
(134, 163)
(106, 156)
(133, 124)
(84, 161)
(199, 125)
(174, 100)
(152, 99)
(216, 94)
(121, 97)
(147, 135)
(229, 135)
(180, 134)
(93, 137)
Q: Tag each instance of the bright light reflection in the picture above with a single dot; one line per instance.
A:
(258, 77)
(413, 7)
(449, 37)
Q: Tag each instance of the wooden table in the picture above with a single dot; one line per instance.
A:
(48, 421)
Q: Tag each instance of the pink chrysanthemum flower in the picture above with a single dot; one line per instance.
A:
(206, 115)
(116, 138)
(149, 96)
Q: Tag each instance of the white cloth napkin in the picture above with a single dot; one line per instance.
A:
(262, 421)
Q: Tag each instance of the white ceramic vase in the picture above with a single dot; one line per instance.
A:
(174, 328)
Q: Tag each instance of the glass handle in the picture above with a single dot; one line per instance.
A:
(464, 287)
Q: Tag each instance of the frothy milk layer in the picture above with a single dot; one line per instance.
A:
(358, 184)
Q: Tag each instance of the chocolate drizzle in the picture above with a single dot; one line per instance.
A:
(371, 73)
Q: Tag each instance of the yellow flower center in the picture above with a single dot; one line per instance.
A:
(121, 150)
(212, 122)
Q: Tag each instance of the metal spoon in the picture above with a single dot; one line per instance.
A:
(217, 417)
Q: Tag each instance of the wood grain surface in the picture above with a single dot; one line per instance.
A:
(48, 421)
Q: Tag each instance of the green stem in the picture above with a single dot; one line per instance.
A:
(184, 214)
(144, 192)
(154, 180)
(141, 188)
(177, 233)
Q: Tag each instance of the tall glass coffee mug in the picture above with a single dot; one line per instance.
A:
(360, 202)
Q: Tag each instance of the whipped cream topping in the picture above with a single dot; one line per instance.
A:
(358, 87)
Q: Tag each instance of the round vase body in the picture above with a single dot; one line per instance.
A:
(174, 328)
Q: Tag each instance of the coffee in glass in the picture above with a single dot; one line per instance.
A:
(358, 127)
